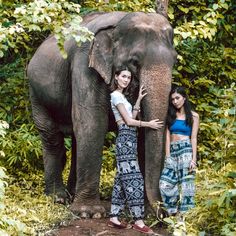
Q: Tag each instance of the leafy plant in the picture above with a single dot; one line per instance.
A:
(218, 127)
(14, 93)
(8, 225)
(215, 211)
(22, 146)
(108, 167)
(26, 202)
(115, 5)
(59, 17)
(202, 20)
(23, 149)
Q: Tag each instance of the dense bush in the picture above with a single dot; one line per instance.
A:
(8, 225)
(216, 178)
(108, 166)
(21, 24)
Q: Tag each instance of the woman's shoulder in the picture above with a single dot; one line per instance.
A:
(116, 93)
(195, 115)
(117, 97)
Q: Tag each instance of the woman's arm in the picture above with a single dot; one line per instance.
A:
(154, 124)
(167, 142)
(141, 95)
(194, 140)
(136, 109)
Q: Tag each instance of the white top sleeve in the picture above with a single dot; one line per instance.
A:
(117, 98)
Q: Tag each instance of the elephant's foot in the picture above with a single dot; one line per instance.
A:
(61, 197)
(89, 209)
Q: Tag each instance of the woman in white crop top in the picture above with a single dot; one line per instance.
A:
(129, 185)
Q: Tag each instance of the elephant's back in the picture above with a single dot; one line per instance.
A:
(91, 16)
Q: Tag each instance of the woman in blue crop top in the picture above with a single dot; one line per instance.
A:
(129, 185)
(177, 179)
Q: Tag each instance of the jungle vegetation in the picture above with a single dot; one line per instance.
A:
(205, 42)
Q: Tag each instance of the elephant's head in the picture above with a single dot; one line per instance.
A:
(143, 42)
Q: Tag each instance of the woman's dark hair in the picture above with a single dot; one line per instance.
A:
(131, 91)
(171, 116)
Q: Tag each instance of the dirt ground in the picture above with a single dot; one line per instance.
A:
(98, 227)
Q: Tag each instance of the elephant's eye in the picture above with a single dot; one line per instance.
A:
(134, 61)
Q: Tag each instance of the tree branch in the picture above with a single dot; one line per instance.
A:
(162, 7)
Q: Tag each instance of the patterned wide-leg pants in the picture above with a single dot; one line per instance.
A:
(129, 185)
(177, 183)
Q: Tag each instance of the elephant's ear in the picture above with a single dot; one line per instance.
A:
(100, 56)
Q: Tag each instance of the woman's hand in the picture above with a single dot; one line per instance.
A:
(155, 124)
(192, 166)
(142, 93)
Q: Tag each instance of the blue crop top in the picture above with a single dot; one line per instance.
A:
(180, 127)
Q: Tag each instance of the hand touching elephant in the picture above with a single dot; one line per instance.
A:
(71, 97)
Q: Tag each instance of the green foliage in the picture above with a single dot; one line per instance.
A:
(202, 19)
(23, 148)
(21, 144)
(216, 182)
(8, 225)
(26, 202)
(59, 17)
(215, 212)
(218, 127)
(14, 101)
(108, 167)
(28, 211)
(3, 126)
(115, 5)
(216, 188)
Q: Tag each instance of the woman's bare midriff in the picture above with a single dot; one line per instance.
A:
(177, 137)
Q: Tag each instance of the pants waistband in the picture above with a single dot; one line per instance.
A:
(124, 126)
(181, 141)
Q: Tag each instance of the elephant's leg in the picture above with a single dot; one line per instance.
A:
(54, 156)
(54, 153)
(90, 130)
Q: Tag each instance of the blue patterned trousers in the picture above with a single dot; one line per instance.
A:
(129, 185)
(177, 183)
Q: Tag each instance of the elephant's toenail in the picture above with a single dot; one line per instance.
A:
(97, 215)
(85, 215)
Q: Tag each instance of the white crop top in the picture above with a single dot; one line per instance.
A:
(117, 98)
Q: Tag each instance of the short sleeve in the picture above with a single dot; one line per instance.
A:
(116, 98)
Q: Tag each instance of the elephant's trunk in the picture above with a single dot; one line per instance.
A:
(157, 81)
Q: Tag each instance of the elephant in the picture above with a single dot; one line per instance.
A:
(71, 97)
(125, 167)
(130, 189)
(135, 165)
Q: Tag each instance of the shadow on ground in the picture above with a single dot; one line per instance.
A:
(98, 227)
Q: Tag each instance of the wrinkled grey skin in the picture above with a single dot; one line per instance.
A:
(71, 97)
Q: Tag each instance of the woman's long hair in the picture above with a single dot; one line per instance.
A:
(171, 115)
(131, 91)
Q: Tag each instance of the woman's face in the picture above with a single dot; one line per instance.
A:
(123, 79)
(177, 100)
